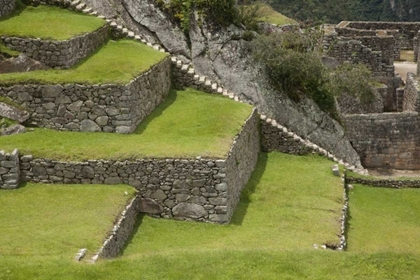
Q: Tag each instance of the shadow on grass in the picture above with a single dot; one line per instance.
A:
(240, 212)
(136, 227)
(170, 99)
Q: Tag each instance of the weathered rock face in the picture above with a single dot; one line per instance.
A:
(22, 63)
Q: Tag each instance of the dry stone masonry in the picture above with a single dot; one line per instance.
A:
(91, 108)
(7, 7)
(121, 231)
(9, 170)
(186, 189)
(59, 54)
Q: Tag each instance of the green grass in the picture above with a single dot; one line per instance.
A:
(268, 14)
(290, 201)
(188, 124)
(116, 62)
(384, 220)
(57, 220)
(33, 22)
(263, 248)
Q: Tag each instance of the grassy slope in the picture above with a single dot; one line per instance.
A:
(31, 22)
(187, 124)
(116, 62)
(268, 14)
(261, 243)
(384, 220)
(57, 220)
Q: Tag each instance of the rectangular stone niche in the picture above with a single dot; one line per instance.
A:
(186, 189)
(9, 170)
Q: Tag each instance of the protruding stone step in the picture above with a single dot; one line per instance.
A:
(131, 34)
(81, 6)
(87, 10)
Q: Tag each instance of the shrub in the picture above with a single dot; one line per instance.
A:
(292, 63)
(222, 12)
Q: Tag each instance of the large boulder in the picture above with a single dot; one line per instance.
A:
(22, 63)
(189, 211)
(13, 113)
(13, 129)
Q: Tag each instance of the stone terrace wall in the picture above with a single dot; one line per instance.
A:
(390, 140)
(9, 170)
(7, 7)
(108, 108)
(121, 232)
(59, 54)
(274, 139)
(185, 189)
(411, 101)
(384, 183)
(239, 165)
(406, 30)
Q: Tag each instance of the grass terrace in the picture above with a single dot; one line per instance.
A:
(36, 22)
(268, 14)
(117, 62)
(40, 220)
(384, 220)
(188, 124)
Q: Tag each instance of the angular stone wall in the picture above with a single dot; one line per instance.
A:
(59, 54)
(411, 101)
(239, 164)
(7, 7)
(185, 189)
(385, 44)
(274, 139)
(353, 51)
(121, 232)
(9, 170)
(389, 140)
(108, 108)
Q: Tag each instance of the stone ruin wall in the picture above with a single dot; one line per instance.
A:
(388, 140)
(353, 51)
(7, 7)
(187, 189)
(107, 108)
(407, 31)
(9, 170)
(59, 54)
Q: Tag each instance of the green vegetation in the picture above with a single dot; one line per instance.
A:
(222, 12)
(293, 65)
(116, 62)
(187, 124)
(384, 220)
(29, 21)
(272, 206)
(284, 210)
(57, 220)
(268, 14)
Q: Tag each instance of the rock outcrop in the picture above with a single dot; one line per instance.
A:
(22, 63)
